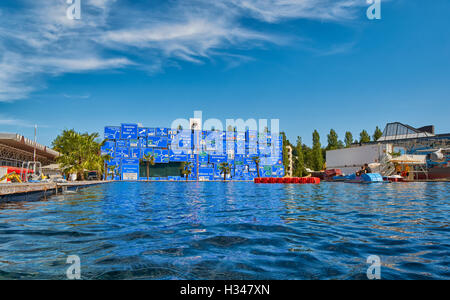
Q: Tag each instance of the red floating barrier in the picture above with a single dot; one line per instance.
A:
(293, 180)
(314, 180)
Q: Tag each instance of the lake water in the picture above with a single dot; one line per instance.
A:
(218, 230)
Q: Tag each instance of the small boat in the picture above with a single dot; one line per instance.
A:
(365, 178)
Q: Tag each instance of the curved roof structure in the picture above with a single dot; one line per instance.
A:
(398, 131)
(20, 142)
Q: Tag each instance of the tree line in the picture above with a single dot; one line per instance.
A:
(80, 152)
(314, 157)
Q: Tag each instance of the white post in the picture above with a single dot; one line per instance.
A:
(34, 153)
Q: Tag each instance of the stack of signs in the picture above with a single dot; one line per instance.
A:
(278, 171)
(182, 142)
(113, 169)
(161, 156)
(231, 136)
(171, 135)
(265, 171)
(146, 152)
(151, 132)
(135, 153)
(199, 141)
(265, 149)
(142, 132)
(142, 142)
(214, 142)
(267, 161)
(164, 132)
(206, 174)
(262, 138)
(205, 150)
(230, 143)
(252, 142)
(129, 131)
(122, 143)
(133, 143)
(122, 152)
(157, 142)
(203, 157)
(112, 132)
(240, 143)
(217, 159)
(109, 148)
(130, 169)
(176, 157)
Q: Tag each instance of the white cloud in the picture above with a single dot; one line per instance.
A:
(72, 65)
(39, 40)
(8, 121)
(82, 97)
(276, 10)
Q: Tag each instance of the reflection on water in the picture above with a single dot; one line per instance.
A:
(230, 231)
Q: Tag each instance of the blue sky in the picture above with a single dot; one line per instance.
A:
(312, 64)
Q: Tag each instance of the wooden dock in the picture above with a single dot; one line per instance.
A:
(35, 191)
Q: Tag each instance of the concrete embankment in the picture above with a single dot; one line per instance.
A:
(37, 191)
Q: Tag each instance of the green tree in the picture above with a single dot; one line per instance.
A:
(187, 170)
(224, 169)
(348, 139)
(285, 150)
(148, 159)
(364, 137)
(257, 161)
(79, 153)
(113, 171)
(377, 134)
(317, 157)
(299, 165)
(333, 142)
(307, 156)
(106, 158)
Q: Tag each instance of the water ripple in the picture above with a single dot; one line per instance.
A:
(230, 231)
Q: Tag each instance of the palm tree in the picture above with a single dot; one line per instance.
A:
(79, 152)
(149, 159)
(105, 159)
(224, 169)
(257, 161)
(112, 170)
(187, 170)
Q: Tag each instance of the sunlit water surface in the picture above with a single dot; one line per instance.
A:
(230, 231)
